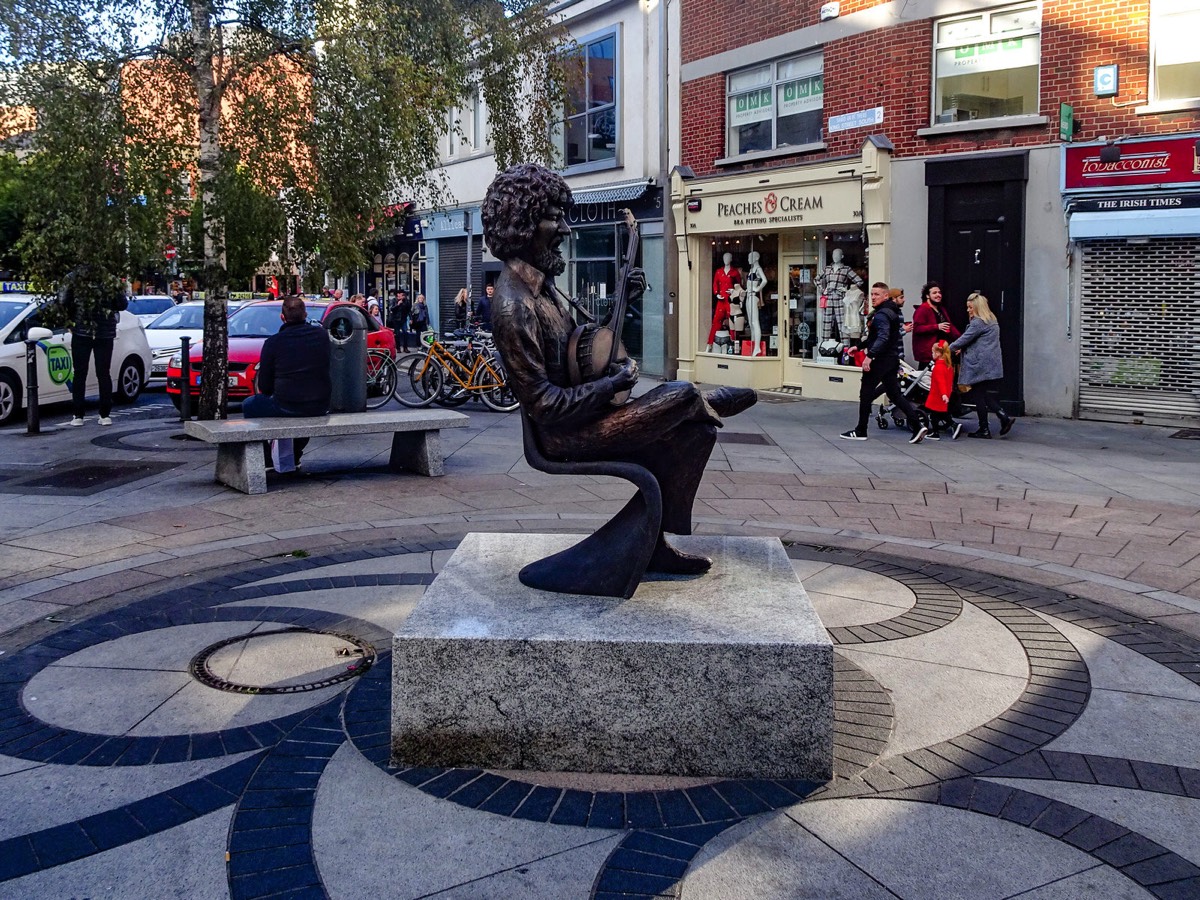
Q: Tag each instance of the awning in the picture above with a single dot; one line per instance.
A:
(611, 193)
(1134, 223)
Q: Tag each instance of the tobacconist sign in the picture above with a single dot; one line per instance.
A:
(1132, 164)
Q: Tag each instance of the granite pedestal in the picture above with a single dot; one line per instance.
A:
(729, 674)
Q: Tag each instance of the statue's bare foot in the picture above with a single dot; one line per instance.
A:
(667, 560)
(729, 401)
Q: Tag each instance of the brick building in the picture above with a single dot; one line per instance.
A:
(925, 140)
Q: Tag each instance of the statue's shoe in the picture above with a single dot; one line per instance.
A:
(729, 401)
(666, 560)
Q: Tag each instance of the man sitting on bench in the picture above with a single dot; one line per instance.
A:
(293, 375)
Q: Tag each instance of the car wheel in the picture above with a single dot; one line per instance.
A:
(177, 400)
(10, 398)
(130, 381)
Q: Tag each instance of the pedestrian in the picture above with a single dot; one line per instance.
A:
(293, 374)
(419, 318)
(881, 365)
(930, 323)
(941, 390)
(461, 309)
(373, 308)
(483, 312)
(982, 366)
(399, 317)
(94, 305)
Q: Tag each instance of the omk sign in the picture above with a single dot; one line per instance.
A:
(772, 208)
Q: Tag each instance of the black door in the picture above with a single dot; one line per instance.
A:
(976, 230)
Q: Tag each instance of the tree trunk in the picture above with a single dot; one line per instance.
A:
(214, 278)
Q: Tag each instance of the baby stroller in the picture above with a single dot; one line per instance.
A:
(914, 384)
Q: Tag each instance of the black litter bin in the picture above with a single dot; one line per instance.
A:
(347, 327)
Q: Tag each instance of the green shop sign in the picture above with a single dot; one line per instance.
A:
(58, 360)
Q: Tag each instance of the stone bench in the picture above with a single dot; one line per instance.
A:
(416, 440)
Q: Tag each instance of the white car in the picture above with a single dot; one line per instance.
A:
(21, 312)
(163, 334)
(148, 307)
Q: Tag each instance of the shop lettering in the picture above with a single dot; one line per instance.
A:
(1142, 203)
(1147, 162)
(784, 204)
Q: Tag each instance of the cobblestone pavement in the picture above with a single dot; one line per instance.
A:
(194, 690)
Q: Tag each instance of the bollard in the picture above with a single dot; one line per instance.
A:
(33, 420)
(185, 379)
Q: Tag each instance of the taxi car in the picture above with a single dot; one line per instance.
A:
(163, 334)
(249, 327)
(21, 312)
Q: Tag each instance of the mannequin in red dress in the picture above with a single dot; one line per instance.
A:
(723, 279)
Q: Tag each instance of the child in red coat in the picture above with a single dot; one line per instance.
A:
(941, 387)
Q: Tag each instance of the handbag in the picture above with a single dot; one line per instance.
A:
(824, 302)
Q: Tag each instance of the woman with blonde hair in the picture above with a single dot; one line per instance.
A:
(982, 366)
(461, 309)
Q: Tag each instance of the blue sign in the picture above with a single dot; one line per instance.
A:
(1105, 81)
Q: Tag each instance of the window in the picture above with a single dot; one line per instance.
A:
(986, 65)
(589, 132)
(466, 129)
(1175, 50)
(775, 106)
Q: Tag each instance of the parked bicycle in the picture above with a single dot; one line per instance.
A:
(452, 372)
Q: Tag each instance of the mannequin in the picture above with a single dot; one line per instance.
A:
(833, 284)
(756, 280)
(723, 279)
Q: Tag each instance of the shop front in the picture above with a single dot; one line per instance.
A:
(763, 259)
(1133, 212)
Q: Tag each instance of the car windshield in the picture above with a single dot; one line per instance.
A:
(180, 317)
(149, 306)
(10, 309)
(262, 320)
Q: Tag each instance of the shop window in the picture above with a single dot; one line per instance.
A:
(741, 317)
(775, 106)
(1175, 51)
(594, 265)
(589, 132)
(986, 65)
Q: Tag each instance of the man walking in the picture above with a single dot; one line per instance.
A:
(930, 324)
(881, 365)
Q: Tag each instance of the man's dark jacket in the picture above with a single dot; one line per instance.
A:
(885, 332)
(294, 369)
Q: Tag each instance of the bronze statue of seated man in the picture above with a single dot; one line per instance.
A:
(670, 430)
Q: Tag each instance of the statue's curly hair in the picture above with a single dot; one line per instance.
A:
(515, 202)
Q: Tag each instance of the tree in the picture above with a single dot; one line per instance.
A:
(333, 109)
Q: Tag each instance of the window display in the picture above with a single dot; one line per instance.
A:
(745, 298)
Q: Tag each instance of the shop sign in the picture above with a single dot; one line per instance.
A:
(1157, 162)
(751, 107)
(1142, 202)
(989, 56)
(783, 207)
(649, 206)
(801, 96)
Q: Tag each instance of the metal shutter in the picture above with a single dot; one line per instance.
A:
(452, 273)
(1139, 358)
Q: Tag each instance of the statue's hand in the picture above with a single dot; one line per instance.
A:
(636, 286)
(624, 374)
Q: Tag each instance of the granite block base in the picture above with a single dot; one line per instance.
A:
(729, 674)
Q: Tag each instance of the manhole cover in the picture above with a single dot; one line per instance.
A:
(726, 437)
(288, 661)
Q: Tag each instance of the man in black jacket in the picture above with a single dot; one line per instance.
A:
(94, 304)
(293, 371)
(881, 366)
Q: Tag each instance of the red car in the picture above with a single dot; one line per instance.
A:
(250, 325)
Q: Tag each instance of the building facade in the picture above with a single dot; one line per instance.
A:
(614, 147)
(934, 140)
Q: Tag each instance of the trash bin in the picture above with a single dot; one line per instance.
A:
(347, 326)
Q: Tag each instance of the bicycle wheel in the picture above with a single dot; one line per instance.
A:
(418, 380)
(495, 392)
(381, 379)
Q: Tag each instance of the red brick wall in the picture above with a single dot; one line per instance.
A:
(892, 68)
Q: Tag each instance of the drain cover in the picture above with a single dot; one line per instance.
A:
(81, 478)
(734, 437)
(287, 661)
(1187, 434)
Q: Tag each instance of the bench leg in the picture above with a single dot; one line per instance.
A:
(418, 451)
(241, 466)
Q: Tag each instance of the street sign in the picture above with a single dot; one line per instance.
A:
(170, 252)
(1066, 118)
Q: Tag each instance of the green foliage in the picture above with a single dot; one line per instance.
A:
(292, 123)
(12, 212)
